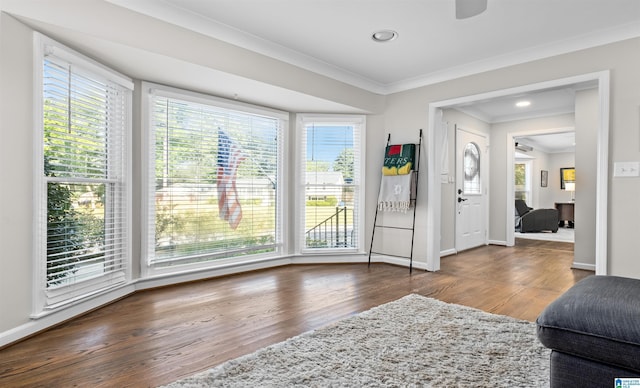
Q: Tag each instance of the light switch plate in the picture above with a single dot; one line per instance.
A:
(626, 169)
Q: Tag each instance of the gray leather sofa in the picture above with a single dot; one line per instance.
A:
(593, 331)
(535, 220)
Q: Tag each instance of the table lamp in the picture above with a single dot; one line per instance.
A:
(570, 186)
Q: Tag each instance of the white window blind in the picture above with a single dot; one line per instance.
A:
(214, 169)
(83, 205)
(331, 162)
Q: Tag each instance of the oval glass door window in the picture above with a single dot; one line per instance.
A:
(471, 162)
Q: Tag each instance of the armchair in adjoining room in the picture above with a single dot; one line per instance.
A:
(535, 220)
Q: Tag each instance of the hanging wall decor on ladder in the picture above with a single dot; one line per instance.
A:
(398, 188)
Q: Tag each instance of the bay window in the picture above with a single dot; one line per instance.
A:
(214, 168)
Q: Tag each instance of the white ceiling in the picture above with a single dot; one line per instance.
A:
(333, 37)
(550, 143)
(546, 102)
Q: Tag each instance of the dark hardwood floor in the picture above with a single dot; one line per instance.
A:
(158, 336)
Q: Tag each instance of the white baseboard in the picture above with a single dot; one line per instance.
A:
(588, 267)
(176, 278)
(330, 259)
(448, 252)
(498, 242)
(361, 258)
(398, 261)
(453, 251)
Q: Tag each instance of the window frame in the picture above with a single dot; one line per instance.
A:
(148, 269)
(44, 300)
(300, 198)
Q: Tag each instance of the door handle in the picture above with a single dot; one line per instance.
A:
(461, 199)
(459, 191)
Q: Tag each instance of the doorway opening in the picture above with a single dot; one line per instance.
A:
(499, 232)
(539, 157)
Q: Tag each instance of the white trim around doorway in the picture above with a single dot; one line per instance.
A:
(434, 213)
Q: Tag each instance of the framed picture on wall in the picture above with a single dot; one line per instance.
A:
(544, 178)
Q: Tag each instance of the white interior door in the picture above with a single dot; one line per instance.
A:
(471, 189)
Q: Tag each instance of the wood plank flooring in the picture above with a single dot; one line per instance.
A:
(157, 336)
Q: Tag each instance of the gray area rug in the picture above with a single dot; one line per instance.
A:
(411, 342)
(563, 235)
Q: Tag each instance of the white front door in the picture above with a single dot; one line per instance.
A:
(472, 164)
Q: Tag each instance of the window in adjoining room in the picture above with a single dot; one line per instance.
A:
(331, 154)
(522, 180)
(213, 192)
(82, 192)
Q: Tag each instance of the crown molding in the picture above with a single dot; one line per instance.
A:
(214, 29)
(593, 39)
(198, 23)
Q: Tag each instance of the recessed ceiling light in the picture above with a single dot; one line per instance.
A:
(523, 103)
(384, 36)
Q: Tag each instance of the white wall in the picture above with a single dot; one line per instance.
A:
(586, 148)
(556, 162)
(541, 194)
(16, 172)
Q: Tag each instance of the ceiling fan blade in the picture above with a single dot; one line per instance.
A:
(468, 8)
